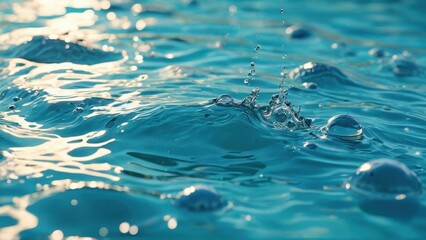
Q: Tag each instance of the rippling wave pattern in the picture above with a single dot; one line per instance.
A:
(190, 119)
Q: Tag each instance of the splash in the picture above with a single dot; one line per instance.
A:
(279, 113)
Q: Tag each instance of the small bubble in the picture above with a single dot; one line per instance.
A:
(253, 72)
(15, 99)
(246, 81)
(257, 47)
(252, 64)
(282, 10)
(12, 107)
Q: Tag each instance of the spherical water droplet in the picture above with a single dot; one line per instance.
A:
(343, 126)
(298, 32)
(403, 65)
(199, 198)
(224, 100)
(384, 178)
(376, 52)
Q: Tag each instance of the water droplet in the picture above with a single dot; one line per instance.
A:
(298, 32)
(316, 72)
(343, 126)
(225, 100)
(376, 52)
(310, 85)
(403, 65)
(199, 198)
(384, 178)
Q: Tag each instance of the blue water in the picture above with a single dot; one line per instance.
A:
(181, 119)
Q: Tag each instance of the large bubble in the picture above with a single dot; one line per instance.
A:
(404, 65)
(386, 187)
(318, 73)
(343, 126)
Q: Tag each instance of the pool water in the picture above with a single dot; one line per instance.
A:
(189, 119)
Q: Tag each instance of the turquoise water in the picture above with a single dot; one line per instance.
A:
(181, 120)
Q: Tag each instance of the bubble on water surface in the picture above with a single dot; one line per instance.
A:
(386, 187)
(404, 65)
(224, 100)
(298, 31)
(199, 198)
(384, 178)
(316, 72)
(343, 126)
(376, 52)
(310, 85)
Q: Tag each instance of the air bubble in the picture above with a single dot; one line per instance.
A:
(404, 65)
(376, 52)
(343, 126)
(246, 81)
(384, 178)
(298, 32)
(225, 100)
(252, 64)
(199, 198)
(253, 72)
(257, 47)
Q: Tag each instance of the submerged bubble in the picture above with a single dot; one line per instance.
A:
(343, 126)
(252, 64)
(224, 100)
(298, 32)
(386, 179)
(199, 198)
(403, 65)
(257, 47)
